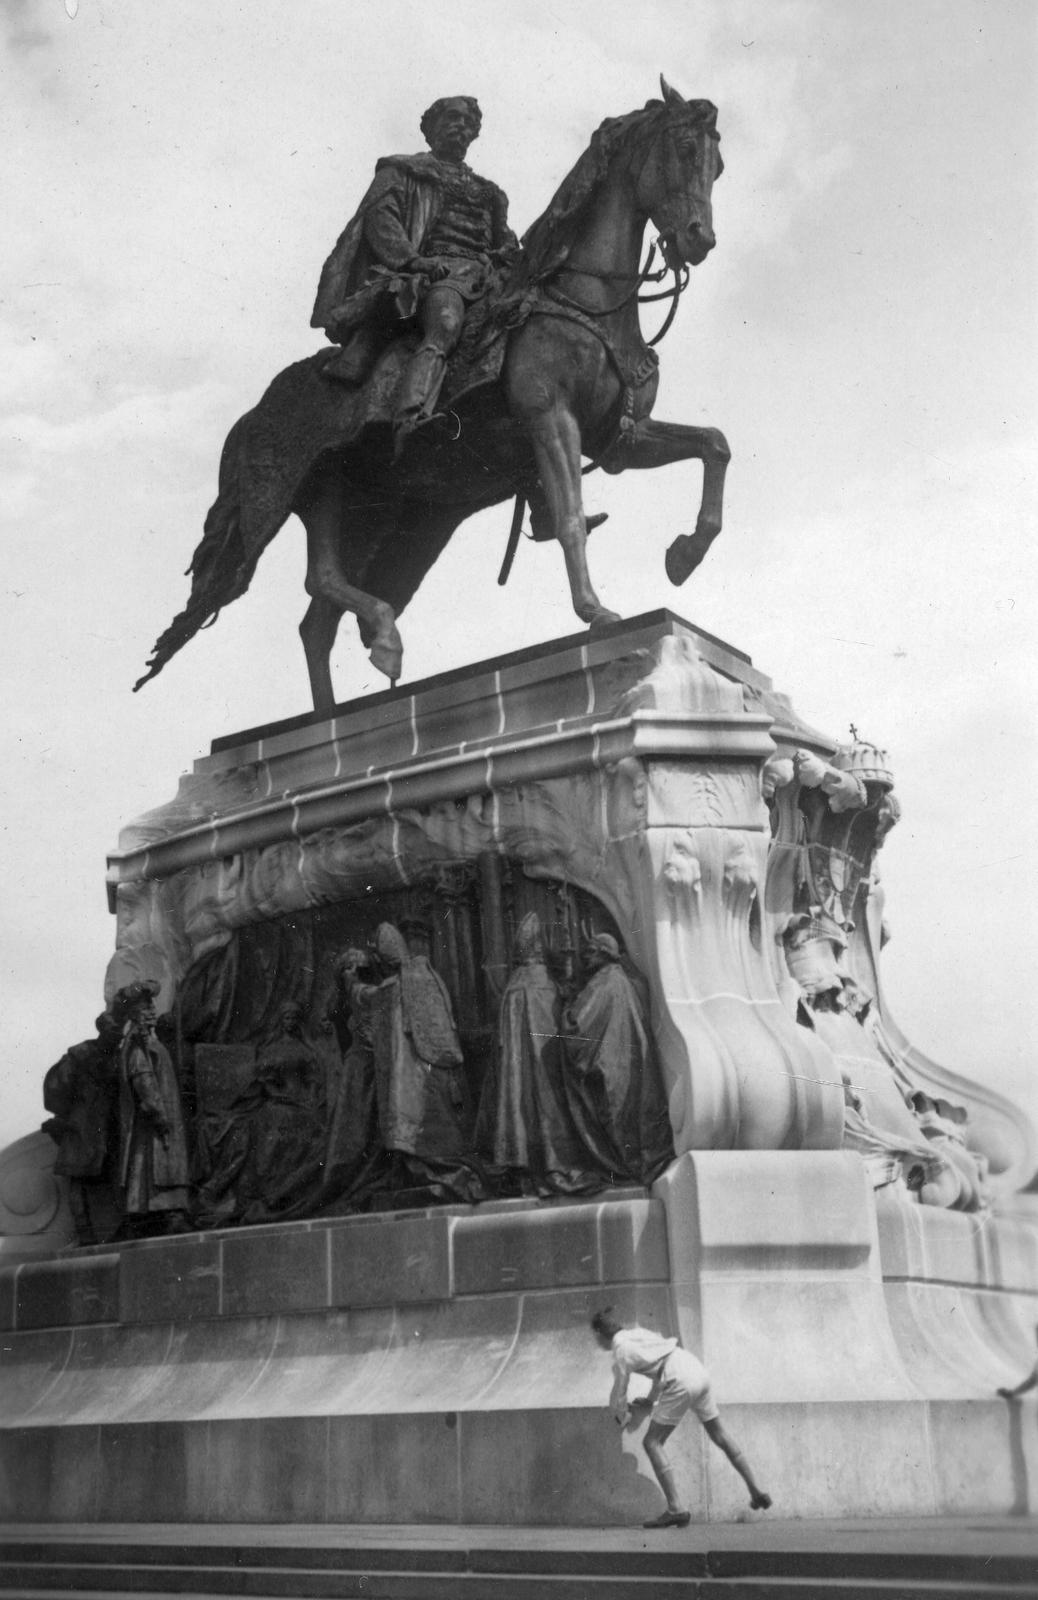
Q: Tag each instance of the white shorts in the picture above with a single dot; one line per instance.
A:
(684, 1386)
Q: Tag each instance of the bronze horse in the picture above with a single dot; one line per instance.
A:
(576, 379)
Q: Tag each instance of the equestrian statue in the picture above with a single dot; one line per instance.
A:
(466, 370)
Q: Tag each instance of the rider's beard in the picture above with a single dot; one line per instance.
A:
(453, 146)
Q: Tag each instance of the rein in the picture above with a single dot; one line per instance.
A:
(646, 275)
(633, 377)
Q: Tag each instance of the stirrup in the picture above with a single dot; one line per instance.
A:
(444, 416)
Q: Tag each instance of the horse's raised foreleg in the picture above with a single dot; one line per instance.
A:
(658, 444)
(555, 437)
(325, 514)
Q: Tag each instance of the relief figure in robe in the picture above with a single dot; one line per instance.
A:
(230, 1097)
(524, 1126)
(613, 1083)
(419, 1080)
(356, 1160)
(289, 1129)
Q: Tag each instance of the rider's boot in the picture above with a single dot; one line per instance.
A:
(541, 525)
(418, 392)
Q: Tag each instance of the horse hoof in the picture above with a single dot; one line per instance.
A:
(682, 559)
(387, 658)
(602, 618)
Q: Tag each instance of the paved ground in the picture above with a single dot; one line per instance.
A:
(1002, 1536)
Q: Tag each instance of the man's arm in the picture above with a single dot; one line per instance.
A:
(646, 1402)
(618, 1396)
(384, 230)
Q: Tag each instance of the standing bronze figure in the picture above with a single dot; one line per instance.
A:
(81, 1091)
(551, 368)
(524, 1125)
(417, 1063)
(613, 1083)
(153, 1159)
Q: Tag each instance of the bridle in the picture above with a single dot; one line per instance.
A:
(682, 275)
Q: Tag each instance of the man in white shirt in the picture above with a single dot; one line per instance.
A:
(680, 1383)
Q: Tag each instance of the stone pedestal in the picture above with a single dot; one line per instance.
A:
(435, 1365)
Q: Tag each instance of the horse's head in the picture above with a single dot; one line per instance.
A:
(677, 175)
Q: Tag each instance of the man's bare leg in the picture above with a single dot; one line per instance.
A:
(759, 1501)
(676, 1515)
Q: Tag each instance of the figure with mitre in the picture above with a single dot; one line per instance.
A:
(613, 1083)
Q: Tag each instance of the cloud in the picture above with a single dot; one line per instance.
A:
(22, 33)
(169, 199)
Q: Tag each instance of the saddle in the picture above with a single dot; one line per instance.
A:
(380, 350)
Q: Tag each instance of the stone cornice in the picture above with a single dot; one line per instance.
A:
(483, 767)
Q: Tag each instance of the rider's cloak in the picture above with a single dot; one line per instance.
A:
(392, 223)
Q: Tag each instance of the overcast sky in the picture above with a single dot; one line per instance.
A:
(175, 174)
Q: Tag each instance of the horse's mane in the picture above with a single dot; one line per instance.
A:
(546, 243)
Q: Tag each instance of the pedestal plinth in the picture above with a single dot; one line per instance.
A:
(835, 1237)
(437, 1366)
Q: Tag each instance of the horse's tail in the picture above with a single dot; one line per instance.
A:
(220, 569)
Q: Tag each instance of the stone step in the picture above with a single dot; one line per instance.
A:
(543, 1564)
(471, 1588)
(116, 1583)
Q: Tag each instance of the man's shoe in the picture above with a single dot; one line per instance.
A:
(669, 1519)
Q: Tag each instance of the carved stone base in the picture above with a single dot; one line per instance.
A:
(648, 770)
(437, 1366)
(810, 1240)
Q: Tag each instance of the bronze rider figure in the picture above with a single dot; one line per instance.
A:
(423, 246)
